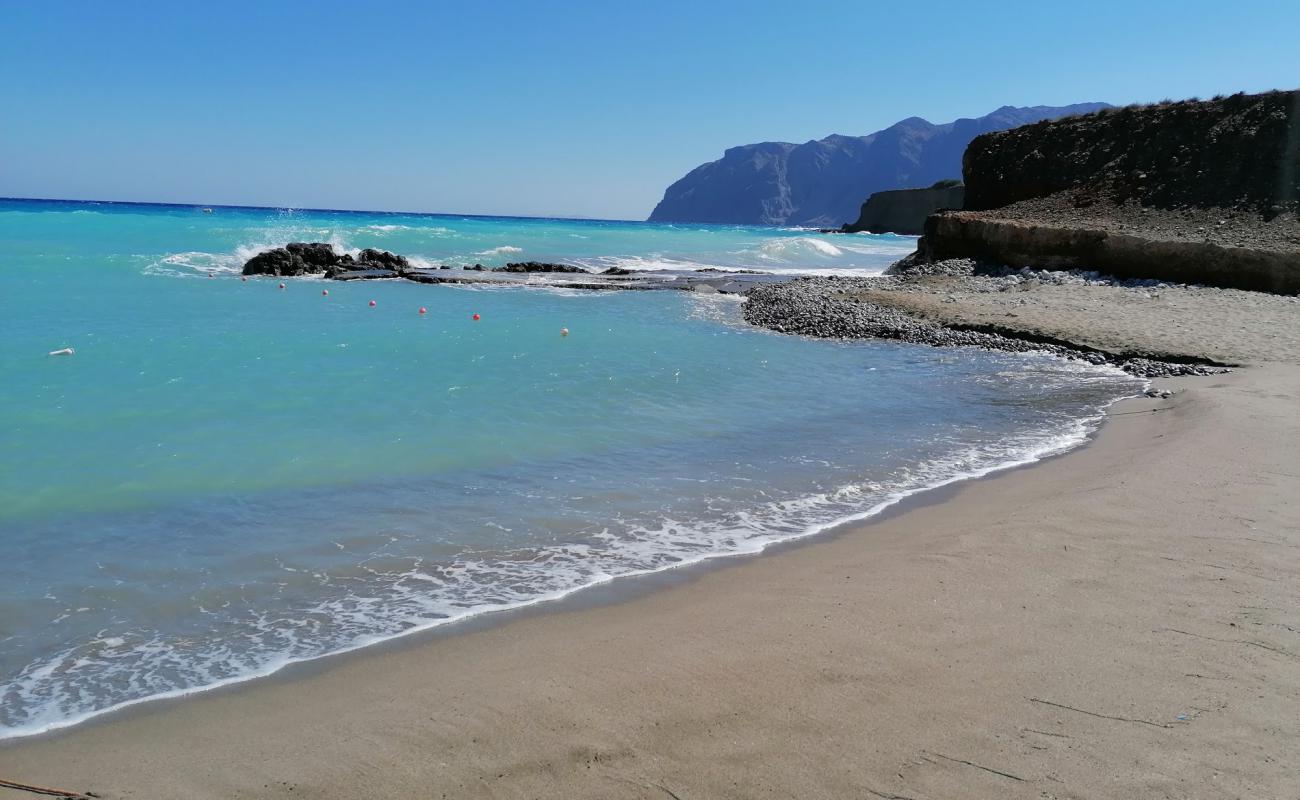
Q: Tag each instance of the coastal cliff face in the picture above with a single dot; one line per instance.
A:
(820, 183)
(1239, 152)
(1194, 192)
(905, 210)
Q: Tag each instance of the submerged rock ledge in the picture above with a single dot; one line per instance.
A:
(319, 258)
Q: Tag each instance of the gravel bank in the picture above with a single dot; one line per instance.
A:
(947, 304)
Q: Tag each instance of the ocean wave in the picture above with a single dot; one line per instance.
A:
(193, 264)
(499, 251)
(435, 230)
(797, 247)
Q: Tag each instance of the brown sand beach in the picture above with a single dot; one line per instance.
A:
(1117, 622)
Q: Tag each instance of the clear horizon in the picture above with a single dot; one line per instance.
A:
(514, 110)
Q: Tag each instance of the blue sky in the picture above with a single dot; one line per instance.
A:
(580, 109)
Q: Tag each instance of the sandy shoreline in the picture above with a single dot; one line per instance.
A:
(1117, 622)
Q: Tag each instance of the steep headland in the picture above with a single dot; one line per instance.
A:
(905, 210)
(822, 183)
(1196, 192)
(1239, 152)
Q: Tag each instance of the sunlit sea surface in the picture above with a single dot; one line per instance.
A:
(228, 477)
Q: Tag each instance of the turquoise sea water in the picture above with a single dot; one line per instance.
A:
(227, 477)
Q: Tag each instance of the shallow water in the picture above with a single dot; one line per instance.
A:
(227, 476)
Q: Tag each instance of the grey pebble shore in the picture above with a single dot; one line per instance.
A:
(825, 307)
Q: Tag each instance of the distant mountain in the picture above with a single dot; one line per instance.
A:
(823, 183)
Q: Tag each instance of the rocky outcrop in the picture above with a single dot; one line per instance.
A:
(822, 183)
(1195, 192)
(315, 258)
(1133, 254)
(905, 210)
(1239, 152)
(539, 266)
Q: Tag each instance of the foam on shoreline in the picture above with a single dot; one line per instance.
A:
(971, 464)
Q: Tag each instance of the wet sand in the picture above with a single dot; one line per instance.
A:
(1117, 622)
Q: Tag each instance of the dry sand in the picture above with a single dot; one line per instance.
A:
(1118, 622)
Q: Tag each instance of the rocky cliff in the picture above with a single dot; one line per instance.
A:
(1236, 152)
(905, 210)
(1197, 192)
(823, 182)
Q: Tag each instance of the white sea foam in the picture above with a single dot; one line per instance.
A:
(422, 263)
(430, 230)
(198, 264)
(408, 596)
(797, 247)
(502, 250)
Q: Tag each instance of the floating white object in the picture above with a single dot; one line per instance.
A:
(67, 351)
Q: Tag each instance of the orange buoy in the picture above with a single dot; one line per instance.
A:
(423, 310)
(476, 317)
(372, 303)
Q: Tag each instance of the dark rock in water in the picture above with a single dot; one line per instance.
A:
(318, 256)
(313, 258)
(538, 266)
(732, 271)
(382, 259)
(275, 262)
(362, 274)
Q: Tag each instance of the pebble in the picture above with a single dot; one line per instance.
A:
(816, 307)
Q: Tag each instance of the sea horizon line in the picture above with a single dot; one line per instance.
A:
(244, 207)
